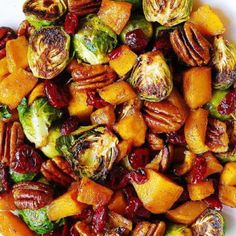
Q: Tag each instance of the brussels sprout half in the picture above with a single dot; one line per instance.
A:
(137, 22)
(210, 222)
(227, 156)
(94, 41)
(178, 230)
(43, 12)
(168, 13)
(151, 77)
(224, 62)
(19, 177)
(91, 151)
(48, 52)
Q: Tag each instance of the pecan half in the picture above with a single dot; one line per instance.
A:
(166, 116)
(190, 45)
(89, 77)
(58, 170)
(11, 137)
(145, 228)
(84, 7)
(32, 195)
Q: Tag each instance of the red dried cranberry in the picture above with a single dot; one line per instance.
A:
(4, 184)
(163, 44)
(6, 34)
(176, 138)
(228, 104)
(139, 158)
(70, 125)
(95, 100)
(86, 215)
(136, 40)
(198, 170)
(57, 96)
(100, 218)
(26, 160)
(115, 53)
(214, 202)
(2, 53)
(73, 232)
(71, 23)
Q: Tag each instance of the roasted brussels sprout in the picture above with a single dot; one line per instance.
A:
(178, 230)
(210, 222)
(224, 62)
(168, 13)
(137, 22)
(90, 150)
(212, 106)
(48, 52)
(37, 119)
(19, 177)
(151, 77)
(4, 112)
(43, 12)
(94, 40)
(228, 156)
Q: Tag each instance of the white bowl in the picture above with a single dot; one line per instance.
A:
(11, 15)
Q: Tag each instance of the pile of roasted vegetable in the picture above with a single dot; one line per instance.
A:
(116, 118)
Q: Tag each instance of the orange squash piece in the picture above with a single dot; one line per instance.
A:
(16, 53)
(16, 86)
(124, 148)
(187, 213)
(124, 61)
(3, 67)
(158, 193)
(197, 86)
(228, 176)
(195, 130)
(11, 225)
(78, 104)
(38, 91)
(227, 195)
(65, 205)
(115, 14)
(118, 203)
(7, 202)
(92, 193)
(213, 165)
(207, 21)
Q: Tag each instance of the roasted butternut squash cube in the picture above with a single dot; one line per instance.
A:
(92, 193)
(11, 225)
(200, 190)
(16, 86)
(38, 91)
(187, 213)
(3, 67)
(228, 176)
(117, 93)
(65, 205)
(115, 14)
(207, 21)
(132, 127)
(118, 203)
(78, 104)
(227, 195)
(158, 193)
(7, 202)
(195, 130)
(123, 61)
(197, 86)
(213, 165)
(16, 53)
(124, 148)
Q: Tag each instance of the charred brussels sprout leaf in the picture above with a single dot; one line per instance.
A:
(151, 77)
(137, 22)
(169, 12)
(43, 12)
(19, 177)
(94, 41)
(48, 52)
(37, 119)
(4, 112)
(91, 151)
(227, 156)
(224, 61)
(210, 222)
(178, 230)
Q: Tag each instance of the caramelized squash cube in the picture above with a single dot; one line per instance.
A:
(227, 195)
(213, 165)
(3, 67)
(118, 203)
(37, 92)
(7, 202)
(228, 176)
(124, 148)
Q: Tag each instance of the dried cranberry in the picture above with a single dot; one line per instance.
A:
(214, 202)
(139, 158)
(73, 232)
(71, 23)
(57, 96)
(176, 138)
(95, 100)
(198, 170)
(100, 218)
(26, 160)
(86, 215)
(6, 34)
(228, 104)
(70, 125)
(115, 53)
(163, 44)
(4, 184)
(136, 40)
